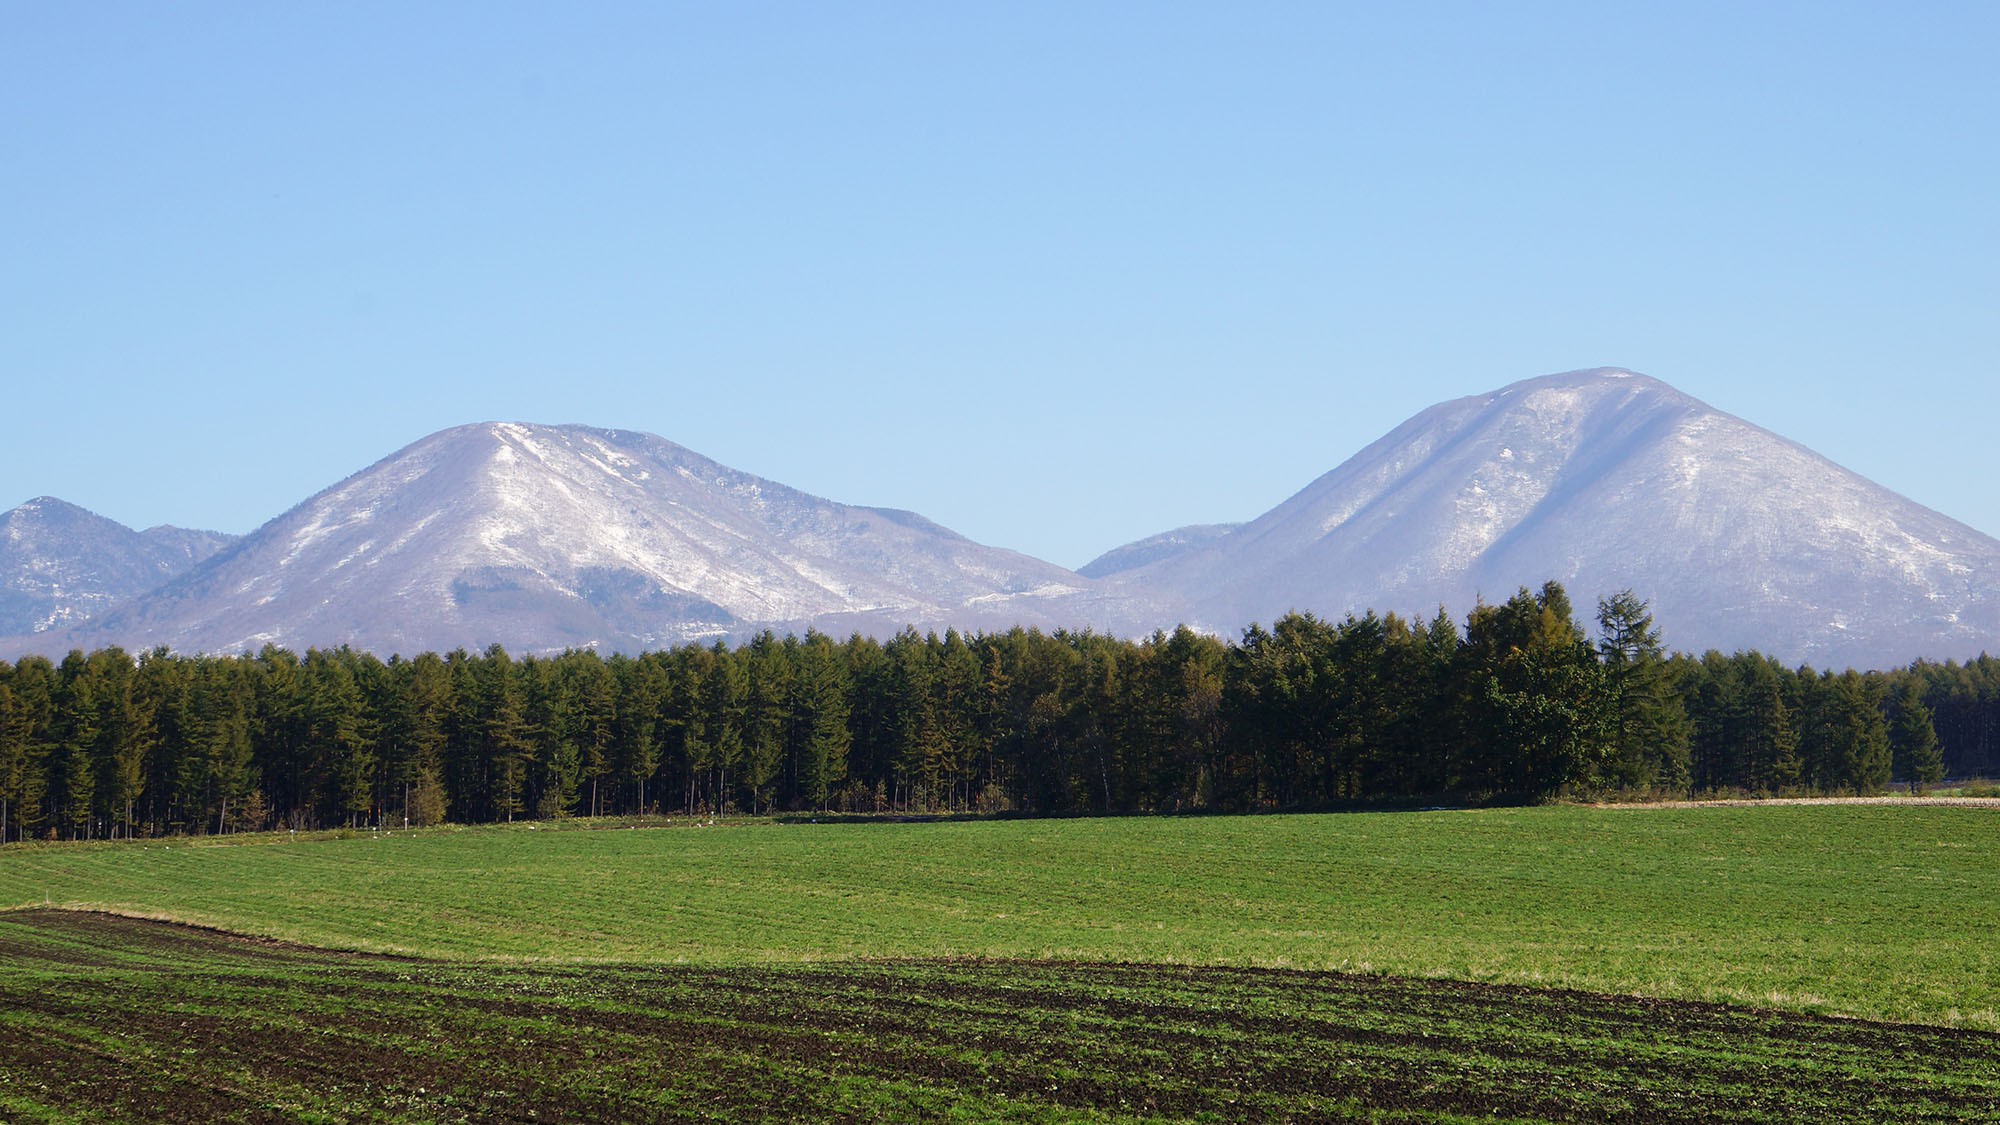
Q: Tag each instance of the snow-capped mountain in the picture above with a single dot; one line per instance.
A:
(1606, 480)
(545, 537)
(61, 564)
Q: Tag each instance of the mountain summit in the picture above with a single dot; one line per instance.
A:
(547, 537)
(1604, 480)
(544, 537)
(61, 564)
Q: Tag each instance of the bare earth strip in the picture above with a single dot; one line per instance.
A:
(1753, 802)
(106, 1019)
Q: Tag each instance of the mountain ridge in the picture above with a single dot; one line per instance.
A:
(547, 537)
(1605, 479)
(557, 536)
(62, 563)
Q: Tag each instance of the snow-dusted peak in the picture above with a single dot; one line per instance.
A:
(1606, 479)
(61, 564)
(543, 537)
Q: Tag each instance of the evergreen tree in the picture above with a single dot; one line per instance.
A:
(642, 684)
(558, 759)
(1912, 738)
(337, 743)
(1774, 765)
(508, 743)
(1648, 725)
(73, 774)
(217, 768)
(427, 713)
(819, 700)
(124, 737)
(33, 685)
(1536, 704)
(163, 692)
(593, 713)
(768, 696)
(16, 791)
(1860, 758)
(278, 731)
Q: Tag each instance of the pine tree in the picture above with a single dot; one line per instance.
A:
(1775, 766)
(725, 697)
(509, 748)
(767, 675)
(1536, 707)
(1648, 725)
(73, 764)
(1913, 739)
(217, 771)
(33, 684)
(593, 715)
(549, 706)
(427, 716)
(1858, 745)
(13, 764)
(337, 742)
(124, 737)
(819, 692)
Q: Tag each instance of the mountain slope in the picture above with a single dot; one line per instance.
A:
(1153, 548)
(1604, 480)
(61, 564)
(544, 537)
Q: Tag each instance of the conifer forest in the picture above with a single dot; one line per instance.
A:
(1517, 702)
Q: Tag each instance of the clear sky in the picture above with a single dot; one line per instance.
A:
(1055, 275)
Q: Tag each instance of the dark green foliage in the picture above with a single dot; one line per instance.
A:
(1536, 708)
(817, 722)
(1912, 738)
(1648, 731)
(1307, 713)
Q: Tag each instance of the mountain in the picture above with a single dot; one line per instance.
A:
(1153, 548)
(61, 564)
(546, 537)
(1605, 480)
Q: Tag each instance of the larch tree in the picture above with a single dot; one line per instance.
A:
(1648, 726)
(1912, 738)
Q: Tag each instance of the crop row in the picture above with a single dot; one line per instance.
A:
(112, 1019)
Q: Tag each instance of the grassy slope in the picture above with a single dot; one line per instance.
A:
(1880, 912)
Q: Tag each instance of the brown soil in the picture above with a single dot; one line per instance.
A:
(117, 1019)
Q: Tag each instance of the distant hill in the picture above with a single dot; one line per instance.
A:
(61, 564)
(546, 537)
(1604, 480)
(1153, 548)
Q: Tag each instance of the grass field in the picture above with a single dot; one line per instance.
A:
(1877, 912)
(1545, 964)
(111, 1019)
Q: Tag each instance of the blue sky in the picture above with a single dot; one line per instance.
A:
(1056, 275)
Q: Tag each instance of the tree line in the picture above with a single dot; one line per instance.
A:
(1518, 703)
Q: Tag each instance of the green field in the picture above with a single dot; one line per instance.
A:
(112, 1019)
(1877, 912)
(1543, 964)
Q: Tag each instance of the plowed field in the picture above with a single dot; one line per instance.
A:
(111, 1019)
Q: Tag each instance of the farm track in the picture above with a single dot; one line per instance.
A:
(106, 1018)
(1891, 800)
